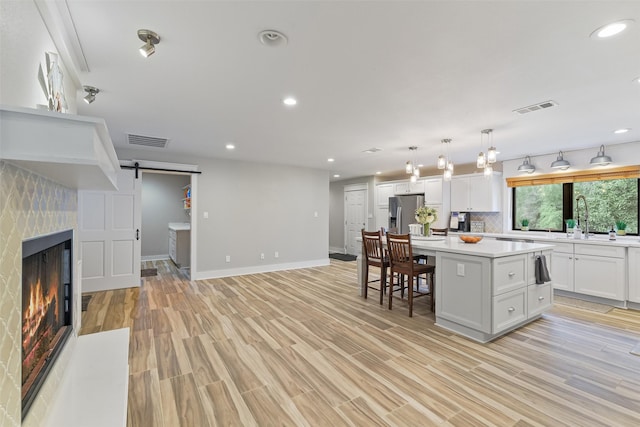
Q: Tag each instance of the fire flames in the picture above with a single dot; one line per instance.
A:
(36, 312)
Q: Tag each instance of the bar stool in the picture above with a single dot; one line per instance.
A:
(374, 256)
(402, 262)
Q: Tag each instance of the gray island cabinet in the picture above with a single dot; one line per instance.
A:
(486, 289)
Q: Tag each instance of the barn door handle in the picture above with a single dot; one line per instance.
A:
(137, 234)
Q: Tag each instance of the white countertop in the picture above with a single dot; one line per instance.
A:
(598, 239)
(489, 248)
(179, 226)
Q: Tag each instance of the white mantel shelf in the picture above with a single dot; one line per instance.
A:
(75, 151)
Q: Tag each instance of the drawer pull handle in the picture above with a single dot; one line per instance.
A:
(540, 298)
(511, 274)
(511, 309)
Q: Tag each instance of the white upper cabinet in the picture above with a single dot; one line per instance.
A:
(476, 193)
(409, 187)
(433, 191)
(383, 192)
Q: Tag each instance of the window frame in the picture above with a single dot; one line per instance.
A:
(567, 181)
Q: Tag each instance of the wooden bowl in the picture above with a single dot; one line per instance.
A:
(470, 239)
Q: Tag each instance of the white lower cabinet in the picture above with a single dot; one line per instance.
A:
(539, 298)
(509, 309)
(634, 274)
(562, 271)
(600, 276)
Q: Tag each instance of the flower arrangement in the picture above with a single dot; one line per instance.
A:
(426, 215)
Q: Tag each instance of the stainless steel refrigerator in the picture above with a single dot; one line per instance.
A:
(402, 212)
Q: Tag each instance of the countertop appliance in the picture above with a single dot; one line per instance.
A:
(460, 221)
(402, 211)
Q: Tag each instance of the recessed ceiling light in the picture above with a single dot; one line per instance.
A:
(331, 159)
(336, 176)
(611, 29)
(229, 146)
(636, 80)
(625, 130)
(289, 101)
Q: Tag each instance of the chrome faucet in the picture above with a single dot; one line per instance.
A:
(586, 214)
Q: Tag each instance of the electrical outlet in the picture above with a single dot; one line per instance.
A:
(276, 255)
(228, 259)
(461, 270)
(261, 256)
(205, 215)
(315, 214)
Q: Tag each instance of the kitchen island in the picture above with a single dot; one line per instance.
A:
(486, 289)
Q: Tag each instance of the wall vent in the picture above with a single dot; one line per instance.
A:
(536, 107)
(147, 141)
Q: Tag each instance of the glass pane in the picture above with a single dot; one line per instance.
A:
(608, 202)
(541, 205)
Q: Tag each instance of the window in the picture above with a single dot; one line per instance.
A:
(540, 204)
(548, 206)
(608, 202)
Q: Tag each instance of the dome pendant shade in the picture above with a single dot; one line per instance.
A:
(560, 162)
(601, 159)
(526, 166)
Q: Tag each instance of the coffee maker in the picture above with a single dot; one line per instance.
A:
(460, 221)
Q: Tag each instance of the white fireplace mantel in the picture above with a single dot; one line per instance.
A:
(75, 151)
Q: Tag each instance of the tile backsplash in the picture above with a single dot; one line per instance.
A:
(492, 221)
(30, 205)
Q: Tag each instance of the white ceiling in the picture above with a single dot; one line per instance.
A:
(386, 74)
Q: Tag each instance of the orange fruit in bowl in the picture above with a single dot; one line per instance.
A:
(470, 239)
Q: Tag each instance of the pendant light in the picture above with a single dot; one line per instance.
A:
(526, 166)
(445, 163)
(601, 159)
(411, 167)
(481, 161)
(492, 153)
(560, 162)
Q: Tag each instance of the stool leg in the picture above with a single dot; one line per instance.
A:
(410, 282)
(383, 282)
(366, 280)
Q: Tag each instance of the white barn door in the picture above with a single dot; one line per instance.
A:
(109, 234)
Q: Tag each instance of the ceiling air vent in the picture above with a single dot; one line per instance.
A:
(536, 107)
(372, 150)
(147, 141)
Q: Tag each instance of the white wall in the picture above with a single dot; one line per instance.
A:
(253, 208)
(162, 196)
(23, 42)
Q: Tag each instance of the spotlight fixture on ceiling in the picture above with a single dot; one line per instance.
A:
(91, 93)
(600, 159)
(560, 162)
(526, 166)
(411, 167)
(150, 39)
(272, 38)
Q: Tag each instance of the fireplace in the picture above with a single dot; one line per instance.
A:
(46, 307)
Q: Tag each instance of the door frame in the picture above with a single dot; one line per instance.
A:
(194, 197)
(354, 187)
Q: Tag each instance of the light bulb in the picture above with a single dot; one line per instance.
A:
(447, 175)
(408, 168)
(442, 162)
(488, 170)
(491, 155)
(481, 160)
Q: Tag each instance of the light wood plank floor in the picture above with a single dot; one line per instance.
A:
(298, 348)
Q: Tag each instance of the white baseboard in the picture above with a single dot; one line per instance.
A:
(215, 274)
(336, 250)
(154, 257)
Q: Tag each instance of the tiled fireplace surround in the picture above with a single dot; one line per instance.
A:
(30, 206)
